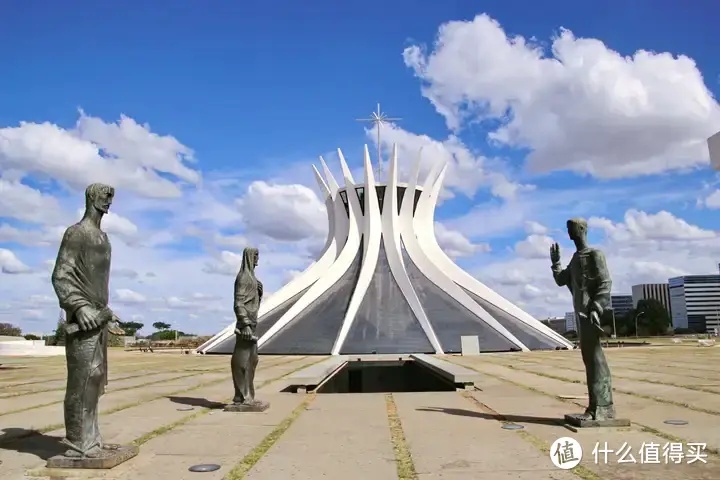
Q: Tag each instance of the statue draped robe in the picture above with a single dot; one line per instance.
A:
(244, 361)
(588, 279)
(80, 279)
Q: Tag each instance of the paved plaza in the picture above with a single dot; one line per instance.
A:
(170, 405)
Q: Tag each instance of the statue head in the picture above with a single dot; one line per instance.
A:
(99, 196)
(251, 255)
(577, 229)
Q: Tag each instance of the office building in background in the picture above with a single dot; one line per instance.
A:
(695, 302)
(655, 291)
(570, 324)
(621, 304)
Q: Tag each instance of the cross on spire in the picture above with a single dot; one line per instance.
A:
(378, 118)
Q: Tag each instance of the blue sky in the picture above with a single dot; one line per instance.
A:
(257, 90)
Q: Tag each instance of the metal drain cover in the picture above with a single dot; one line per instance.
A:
(512, 426)
(676, 422)
(205, 467)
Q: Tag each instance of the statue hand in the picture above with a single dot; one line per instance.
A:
(246, 333)
(260, 288)
(555, 253)
(86, 317)
(114, 326)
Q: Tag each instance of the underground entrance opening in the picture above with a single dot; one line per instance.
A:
(384, 376)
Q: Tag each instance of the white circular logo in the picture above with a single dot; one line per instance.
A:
(566, 453)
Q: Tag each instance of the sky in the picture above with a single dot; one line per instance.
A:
(207, 121)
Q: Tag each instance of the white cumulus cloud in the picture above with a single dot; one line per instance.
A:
(580, 106)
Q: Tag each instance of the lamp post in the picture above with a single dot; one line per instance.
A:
(637, 315)
(614, 335)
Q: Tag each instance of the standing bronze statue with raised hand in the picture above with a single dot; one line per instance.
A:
(588, 279)
(244, 360)
(81, 281)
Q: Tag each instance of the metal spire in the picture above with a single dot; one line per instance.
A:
(378, 118)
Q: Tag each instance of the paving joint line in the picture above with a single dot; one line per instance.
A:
(626, 392)
(196, 373)
(403, 458)
(20, 410)
(62, 371)
(241, 468)
(561, 363)
(205, 410)
(537, 442)
(119, 408)
(119, 379)
(652, 382)
(647, 428)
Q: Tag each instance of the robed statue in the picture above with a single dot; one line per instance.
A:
(80, 279)
(588, 279)
(244, 361)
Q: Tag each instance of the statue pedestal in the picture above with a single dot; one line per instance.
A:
(110, 458)
(257, 406)
(579, 420)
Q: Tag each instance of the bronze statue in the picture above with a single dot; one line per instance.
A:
(588, 279)
(244, 361)
(80, 280)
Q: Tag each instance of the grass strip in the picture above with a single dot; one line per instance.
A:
(403, 459)
(537, 442)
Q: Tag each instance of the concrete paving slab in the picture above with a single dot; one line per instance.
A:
(639, 383)
(692, 398)
(25, 401)
(170, 457)
(339, 436)
(121, 427)
(447, 439)
(229, 448)
(516, 403)
(702, 427)
(629, 370)
(508, 475)
(39, 418)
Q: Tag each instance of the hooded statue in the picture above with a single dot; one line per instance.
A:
(248, 291)
(248, 294)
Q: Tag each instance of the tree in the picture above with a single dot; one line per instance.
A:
(571, 335)
(10, 330)
(161, 326)
(30, 336)
(59, 335)
(651, 316)
(131, 328)
(166, 335)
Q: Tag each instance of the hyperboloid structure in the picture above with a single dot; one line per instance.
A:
(384, 285)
